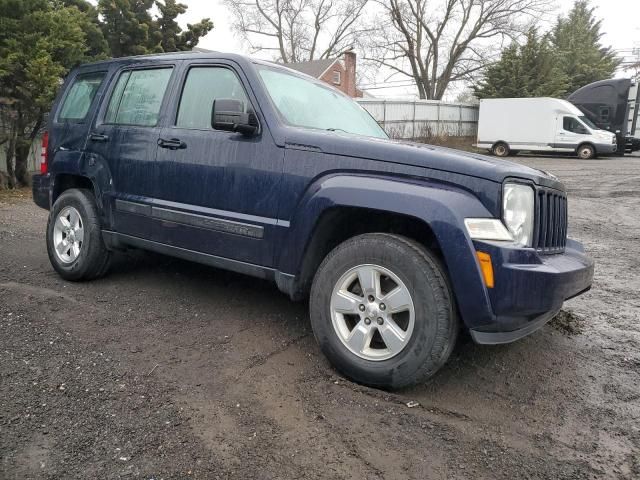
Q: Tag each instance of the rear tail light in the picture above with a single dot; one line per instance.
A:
(44, 156)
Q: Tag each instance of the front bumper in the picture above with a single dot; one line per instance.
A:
(40, 190)
(530, 288)
(606, 148)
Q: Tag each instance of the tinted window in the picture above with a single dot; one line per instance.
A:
(573, 125)
(80, 97)
(202, 87)
(137, 97)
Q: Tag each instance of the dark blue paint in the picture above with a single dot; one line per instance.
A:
(285, 179)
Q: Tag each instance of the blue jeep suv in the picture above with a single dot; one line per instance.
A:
(248, 166)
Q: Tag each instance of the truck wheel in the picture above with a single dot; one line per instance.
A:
(74, 239)
(382, 311)
(500, 149)
(586, 152)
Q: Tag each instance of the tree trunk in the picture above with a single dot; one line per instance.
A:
(23, 146)
(10, 153)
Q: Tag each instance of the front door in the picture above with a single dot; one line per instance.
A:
(218, 190)
(570, 132)
(126, 135)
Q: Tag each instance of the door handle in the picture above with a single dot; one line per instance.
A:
(98, 137)
(172, 143)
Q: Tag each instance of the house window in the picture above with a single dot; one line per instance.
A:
(336, 77)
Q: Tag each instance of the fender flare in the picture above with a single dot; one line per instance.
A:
(90, 166)
(441, 206)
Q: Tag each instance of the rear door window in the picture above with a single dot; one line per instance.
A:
(137, 97)
(80, 96)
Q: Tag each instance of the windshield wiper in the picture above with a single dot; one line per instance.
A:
(336, 130)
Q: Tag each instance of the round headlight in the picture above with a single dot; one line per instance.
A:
(517, 210)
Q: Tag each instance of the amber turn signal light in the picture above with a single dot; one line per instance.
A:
(486, 267)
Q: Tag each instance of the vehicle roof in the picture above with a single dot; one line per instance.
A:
(193, 55)
(558, 104)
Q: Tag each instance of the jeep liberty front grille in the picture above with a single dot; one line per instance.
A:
(550, 223)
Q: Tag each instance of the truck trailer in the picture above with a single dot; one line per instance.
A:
(612, 105)
(509, 125)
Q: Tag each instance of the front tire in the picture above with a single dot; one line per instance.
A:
(74, 237)
(382, 311)
(586, 152)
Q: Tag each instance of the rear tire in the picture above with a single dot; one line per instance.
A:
(500, 149)
(586, 152)
(74, 237)
(397, 349)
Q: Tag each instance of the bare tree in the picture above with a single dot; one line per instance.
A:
(436, 42)
(298, 30)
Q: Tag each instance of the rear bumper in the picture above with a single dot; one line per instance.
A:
(40, 189)
(530, 289)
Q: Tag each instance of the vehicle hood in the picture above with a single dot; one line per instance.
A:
(417, 154)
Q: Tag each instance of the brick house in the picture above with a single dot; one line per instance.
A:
(338, 72)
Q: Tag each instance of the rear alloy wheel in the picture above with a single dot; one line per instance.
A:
(586, 152)
(382, 311)
(74, 237)
(501, 149)
(68, 235)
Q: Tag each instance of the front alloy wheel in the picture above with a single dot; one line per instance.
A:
(372, 312)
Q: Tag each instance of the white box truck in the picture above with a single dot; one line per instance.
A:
(509, 125)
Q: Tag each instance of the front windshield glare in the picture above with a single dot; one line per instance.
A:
(305, 103)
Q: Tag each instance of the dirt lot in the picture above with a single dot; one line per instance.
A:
(167, 369)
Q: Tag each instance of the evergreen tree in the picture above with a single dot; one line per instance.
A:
(576, 39)
(173, 38)
(130, 28)
(40, 41)
(528, 70)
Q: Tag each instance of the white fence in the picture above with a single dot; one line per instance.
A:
(423, 118)
(33, 161)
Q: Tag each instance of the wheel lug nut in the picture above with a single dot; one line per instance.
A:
(382, 306)
(367, 321)
(370, 298)
(380, 321)
(361, 308)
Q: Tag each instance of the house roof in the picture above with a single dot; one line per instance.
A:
(315, 68)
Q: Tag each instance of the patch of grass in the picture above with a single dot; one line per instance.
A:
(14, 194)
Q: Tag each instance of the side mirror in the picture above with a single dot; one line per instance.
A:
(230, 115)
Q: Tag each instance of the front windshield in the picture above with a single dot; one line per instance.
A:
(309, 104)
(587, 122)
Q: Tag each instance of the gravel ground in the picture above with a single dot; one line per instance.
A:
(167, 369)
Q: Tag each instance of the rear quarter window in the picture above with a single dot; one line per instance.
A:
(80, 97)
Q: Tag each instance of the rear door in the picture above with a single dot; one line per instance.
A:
(125, 136)
(72, 118)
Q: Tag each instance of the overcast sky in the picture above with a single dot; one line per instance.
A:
(620, 22)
